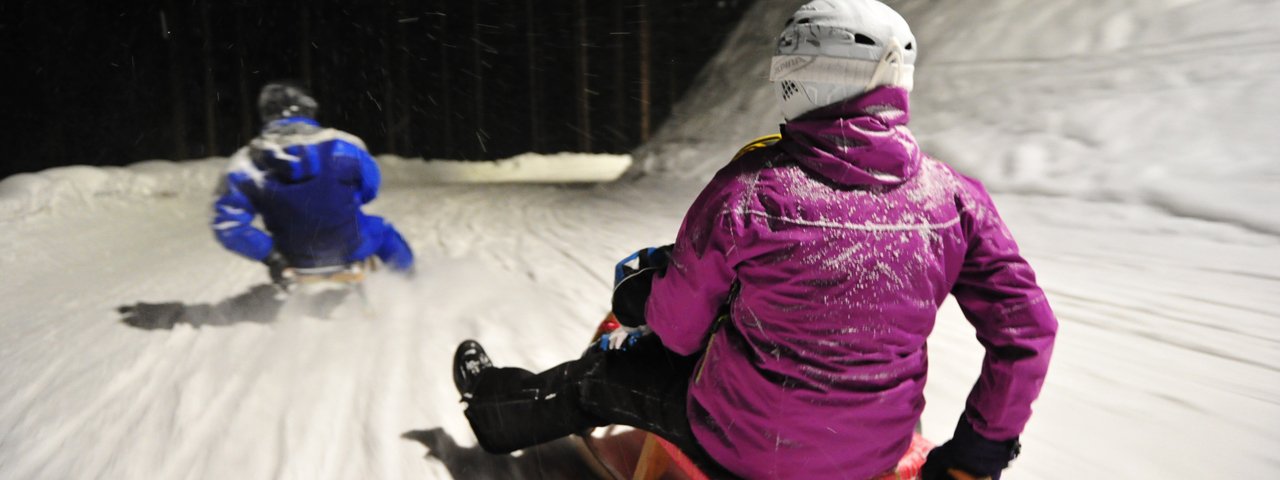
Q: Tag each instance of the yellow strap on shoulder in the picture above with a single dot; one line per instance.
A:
(757, 144)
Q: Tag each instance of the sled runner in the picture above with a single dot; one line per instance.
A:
(621, 453)
(340, 274)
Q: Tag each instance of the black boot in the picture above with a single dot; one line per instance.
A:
(468, 362)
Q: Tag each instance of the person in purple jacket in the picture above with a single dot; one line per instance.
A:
(789, 319)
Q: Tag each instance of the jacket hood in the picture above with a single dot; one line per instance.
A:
(281, 149)
(861, 141)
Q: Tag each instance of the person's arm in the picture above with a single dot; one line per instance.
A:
(997, 292)
(368, 177)
(688, 295)
(232, 223)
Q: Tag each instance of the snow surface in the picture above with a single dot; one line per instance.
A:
(1128, 144)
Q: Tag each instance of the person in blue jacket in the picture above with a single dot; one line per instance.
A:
(308, 183)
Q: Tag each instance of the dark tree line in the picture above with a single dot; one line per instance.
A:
(110, 83)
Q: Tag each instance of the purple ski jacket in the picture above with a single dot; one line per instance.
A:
(833, 249)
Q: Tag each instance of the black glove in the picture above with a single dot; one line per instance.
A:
(278, 268)
(970, 452)
(631, 285)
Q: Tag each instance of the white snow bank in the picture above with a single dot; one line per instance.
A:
(1169, 103)
(29, 193)
(523, 168)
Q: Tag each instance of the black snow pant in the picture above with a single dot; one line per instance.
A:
(645, 387)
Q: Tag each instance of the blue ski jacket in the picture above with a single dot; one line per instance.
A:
(308, 183)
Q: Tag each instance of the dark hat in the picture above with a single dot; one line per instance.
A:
(282, 100)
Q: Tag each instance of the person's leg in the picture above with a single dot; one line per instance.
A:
(647, 387)
(644, 387)
(513, 408)
(382, 239)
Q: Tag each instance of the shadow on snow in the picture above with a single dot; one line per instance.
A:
(260, 304)
(558, 459)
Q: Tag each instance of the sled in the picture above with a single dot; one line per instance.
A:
(621, 453)
(320, 291)
(353, 273)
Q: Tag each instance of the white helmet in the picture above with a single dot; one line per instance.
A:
(833, 50)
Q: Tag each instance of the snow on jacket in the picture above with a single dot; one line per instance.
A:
(839, 243)
(308, 183)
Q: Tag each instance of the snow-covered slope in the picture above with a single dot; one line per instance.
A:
(1170, 103)
(729, 104)
(202, 380)
(1166, 365)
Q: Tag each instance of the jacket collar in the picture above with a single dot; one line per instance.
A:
(281, 122)
(861, 141)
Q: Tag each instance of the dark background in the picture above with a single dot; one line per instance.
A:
(112, 83)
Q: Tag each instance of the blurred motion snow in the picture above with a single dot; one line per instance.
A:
(1131, 146)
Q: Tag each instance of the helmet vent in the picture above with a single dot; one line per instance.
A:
(789, 88)
(863, 39)
(911, 46)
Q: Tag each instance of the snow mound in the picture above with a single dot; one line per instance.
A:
(79, 186)
(1167, 103)
(523, 168)
(29, 193)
